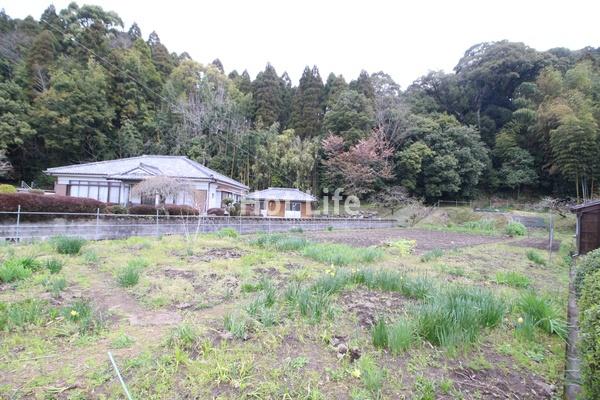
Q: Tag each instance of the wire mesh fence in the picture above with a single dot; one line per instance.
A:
(19, 225)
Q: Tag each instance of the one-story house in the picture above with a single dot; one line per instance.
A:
(282, 202)
(111, 181)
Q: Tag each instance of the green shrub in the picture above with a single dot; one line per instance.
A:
(432, 255)
(330, 228)
(53, 265)
(128, 276)
(589, 347)
(226, 233)
(379, 334)
(514, 228)
(68, 245)
(588, 265)
(401, 334)
(296, 229)
(542, 313)
(5, 188)
(138, 262)
(512, 278)
(535, 257)
(589, 323)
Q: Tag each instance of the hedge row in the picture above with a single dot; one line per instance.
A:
(587, 285)
(65, 204)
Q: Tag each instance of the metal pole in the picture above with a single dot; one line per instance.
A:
(18, 222)
(114, 364)
(157, 223)
(551, 238)
(97, 222)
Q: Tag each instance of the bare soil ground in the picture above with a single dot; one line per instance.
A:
(426, 239)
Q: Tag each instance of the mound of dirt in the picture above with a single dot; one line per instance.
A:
(219, 254)
(179, 273)
(369, 305)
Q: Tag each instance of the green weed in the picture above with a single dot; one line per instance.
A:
(13, 270)
(379, 334)
(432, 255)
(128, 276)
(67, 245)
(401, 334)
(514, 228)
(535, 257)
(53, 265)
(237, 324)
(226, 233)
(341, 254)
(55, 285)
(513, 279)
(541, 312)
(21, 314)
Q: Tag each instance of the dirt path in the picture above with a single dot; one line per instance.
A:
(426, 239)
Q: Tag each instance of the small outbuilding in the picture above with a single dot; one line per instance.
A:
(281, 202)
(588, 226)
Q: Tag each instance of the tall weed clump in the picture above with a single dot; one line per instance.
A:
(68, 245)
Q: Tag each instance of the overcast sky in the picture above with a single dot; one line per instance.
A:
(403, 38)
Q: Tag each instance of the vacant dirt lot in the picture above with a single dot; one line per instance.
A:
(426, 239)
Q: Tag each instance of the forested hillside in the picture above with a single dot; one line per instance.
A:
(78, 86)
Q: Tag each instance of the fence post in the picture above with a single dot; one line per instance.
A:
(156, 223)
(97, 222)
(18, 222)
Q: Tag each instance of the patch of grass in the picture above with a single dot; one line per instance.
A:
(122, 341)
(138, 262)
(535, 257)
(432, 255)
(280, 242)
(330, 228)
(226, 233)
(371, 375)
(55, 285)
(341, 254)
(424, 388)
(184, 336)
(67, 245)
(237, 324)
(19, 315)
(482, 225)
(403, 246)
(13, 270)
(542, 313)
(457, 315)
(513, 279)
(311, 304)
(379, 334)
(128, 276)
(88, 319)
(514, 228)
(296, 229)
(53, 265)
(90, 257)
(401, 334)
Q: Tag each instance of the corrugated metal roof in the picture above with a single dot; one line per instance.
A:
(146, 165)
(275, 193)
(588, 204)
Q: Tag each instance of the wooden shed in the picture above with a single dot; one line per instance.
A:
(588, 226)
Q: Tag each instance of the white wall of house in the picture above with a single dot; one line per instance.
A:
(120, 192)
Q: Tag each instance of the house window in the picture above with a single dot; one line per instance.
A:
(262, 205)
(294, 206)
(148, 199)
(98, 190)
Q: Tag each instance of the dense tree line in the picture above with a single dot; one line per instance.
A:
(76, 86)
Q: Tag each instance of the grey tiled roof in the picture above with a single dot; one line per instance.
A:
(146, 165)
(275, 193)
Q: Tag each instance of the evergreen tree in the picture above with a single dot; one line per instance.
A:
(267, 93)
(307, 104)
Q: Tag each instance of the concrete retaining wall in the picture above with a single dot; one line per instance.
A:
(119, 226)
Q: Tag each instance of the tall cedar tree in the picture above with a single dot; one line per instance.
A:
(308, 104)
